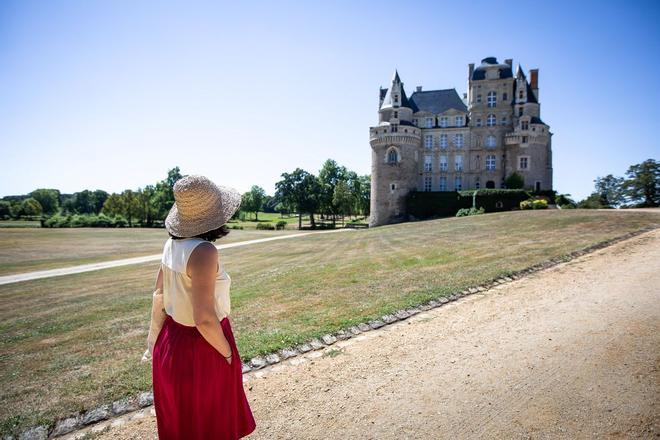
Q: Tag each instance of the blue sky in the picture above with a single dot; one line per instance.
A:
(110, 95)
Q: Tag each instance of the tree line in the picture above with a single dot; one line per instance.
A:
(335, 192)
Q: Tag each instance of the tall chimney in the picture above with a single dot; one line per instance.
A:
(470, 70)
(534, 81)
(419, 88)
(534, 78)
(509, 62)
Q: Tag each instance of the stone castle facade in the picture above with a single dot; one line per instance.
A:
(437, 141)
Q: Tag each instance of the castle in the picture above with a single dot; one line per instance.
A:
(436, 141)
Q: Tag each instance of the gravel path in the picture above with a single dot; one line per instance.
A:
(17, 278)
(569, 352)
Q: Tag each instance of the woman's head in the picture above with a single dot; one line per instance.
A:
(212, 235)
(201, 208)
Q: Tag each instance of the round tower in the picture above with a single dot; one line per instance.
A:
(395, 154)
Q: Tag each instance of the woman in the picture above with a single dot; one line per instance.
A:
(197, 377)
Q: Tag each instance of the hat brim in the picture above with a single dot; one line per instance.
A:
(229, 201)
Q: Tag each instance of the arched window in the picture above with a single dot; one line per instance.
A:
(490, 184)
(491, 121)
(392, 156)
(491, 141)
(492, 99)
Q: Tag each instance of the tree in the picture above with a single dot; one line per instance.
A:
(514, 181)
(5, 209)
(329, 175)
(146, 210)
(258, 195)
(247, 204)
(343, 199)
(49, 199)
(595, 201)
(611, 190)
(31, 207)
(114, 205)
(300, 190)
(131, 205)
(98, 199)
(643, 184)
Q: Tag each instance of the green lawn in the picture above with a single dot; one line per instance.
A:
(30, 249)
(80, 337)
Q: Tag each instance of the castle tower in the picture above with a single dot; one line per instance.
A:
(395, 154)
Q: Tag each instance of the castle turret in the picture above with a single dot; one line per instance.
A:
(395, 145)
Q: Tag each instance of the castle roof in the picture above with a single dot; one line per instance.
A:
(387, 98)
(437, 101)
(480, 72)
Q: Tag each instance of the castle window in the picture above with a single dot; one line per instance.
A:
(458, 162)
(458, 121)
(429, 122)
(428, 183)
(443, 121)
(492, 99)
(490, 162)
(524, 125)
(478, 123)
(443, 163)
(478, 99)
(443, 183)
(523, 163)
(428, 163)
(521, 94)
(394, 128)
(392, 186)
(525, 139)
(392, 156)
(537, 186)
(458, 183)
(396, 115)
(490, 184)
(520, 111)
(503, 119)
(491, 141)
(491, 120)
(477, 185)
(428, 141)
(458, 140)
(414, 122)
(443, 140)
(504, 96)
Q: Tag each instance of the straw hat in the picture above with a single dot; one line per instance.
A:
(200, 206)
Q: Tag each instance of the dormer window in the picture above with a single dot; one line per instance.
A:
(458, 121)
(429, 122)
(520, 111)
(521, 94)
(524, 125)
(443, 121)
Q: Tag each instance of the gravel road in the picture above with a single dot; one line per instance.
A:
(569, 352)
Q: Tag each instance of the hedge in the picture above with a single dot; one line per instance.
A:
(427, 204)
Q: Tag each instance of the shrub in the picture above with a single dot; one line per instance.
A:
(266, 226)
(120, 221)
(526, 204)
(540, 204)
(280, 225)
(464, 212)
(236, 226)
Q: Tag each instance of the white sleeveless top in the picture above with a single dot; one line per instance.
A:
(177, 285)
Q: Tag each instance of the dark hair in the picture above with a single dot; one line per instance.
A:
(208, 236)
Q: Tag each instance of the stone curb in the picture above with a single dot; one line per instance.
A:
(144, 399)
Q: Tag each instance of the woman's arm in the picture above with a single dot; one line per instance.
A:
(202, 268)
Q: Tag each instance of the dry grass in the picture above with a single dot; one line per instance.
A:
(30, 249)
(73, 342)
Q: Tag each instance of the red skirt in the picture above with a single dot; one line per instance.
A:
(197, 394)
